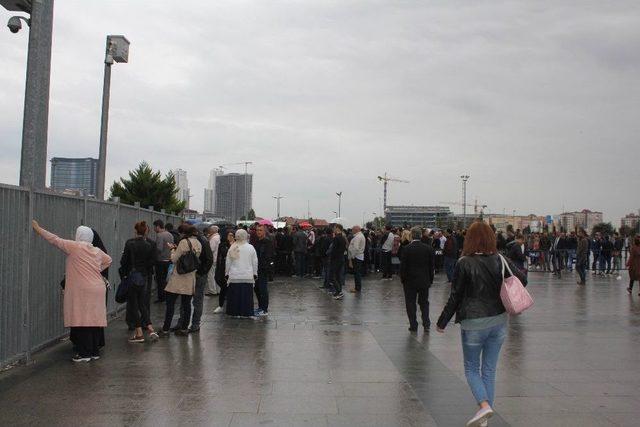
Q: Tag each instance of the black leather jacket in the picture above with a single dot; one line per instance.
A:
(475, 291)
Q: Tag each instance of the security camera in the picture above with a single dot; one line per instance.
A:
(15, 23)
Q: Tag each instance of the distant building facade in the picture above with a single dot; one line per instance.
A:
(182, 183)
(630, 220)
(233, 195)
(75, 175)
(210, 192)
(585, 219)
(423, 216)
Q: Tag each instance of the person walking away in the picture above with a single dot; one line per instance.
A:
(633, 263)
(242, 272)
(221, 262)
(356, 257)
(475, 300)
(300, 252)
(545, 247)
(558, 248)
(265, 252)
(202, 277)
(181, 285)
(606, 252)
(572, 246)
(163, 237)
(138, 260)
(214, 242)
(596, 247)
(85, 312)
(336, 261)
(516, 251)
(323, 245)
(416, 274)
(450, 253)
(582, 257)
(387, 247)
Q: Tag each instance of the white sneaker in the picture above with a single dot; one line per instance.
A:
(218, 310)
(485, 423)
(482, 415)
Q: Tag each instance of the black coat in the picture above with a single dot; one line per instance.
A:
(475, 291)
(140, 254)
(515, 254)
(338, 247)
(417, 265)
(264, 250)
(206, 256)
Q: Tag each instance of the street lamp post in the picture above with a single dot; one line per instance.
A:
(464, 178)
(339, 194)
(117, 51)
(278, 197)
(33, 157)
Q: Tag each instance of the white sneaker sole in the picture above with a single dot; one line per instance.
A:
(477, 422)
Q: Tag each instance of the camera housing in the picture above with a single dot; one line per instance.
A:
(15, 23)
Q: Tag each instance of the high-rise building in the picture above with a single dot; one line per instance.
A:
(182, 183)
(424, 216)
(210, 192)
(74, 174)
(233, 195)
(630, 220)
(585, 219)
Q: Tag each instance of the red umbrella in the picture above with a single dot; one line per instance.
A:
(305, 224)
(266, 222)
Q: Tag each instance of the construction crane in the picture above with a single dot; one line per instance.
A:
(386, 179)
(246, 164)
(475, 205)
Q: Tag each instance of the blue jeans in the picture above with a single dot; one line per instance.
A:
(571, 257)
(449, 266)
(485, 344)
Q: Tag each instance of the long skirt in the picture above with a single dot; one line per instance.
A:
(240, 299)
(87, 340)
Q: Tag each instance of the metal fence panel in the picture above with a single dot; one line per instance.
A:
(31, 269)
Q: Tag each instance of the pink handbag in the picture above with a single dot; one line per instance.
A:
(513, 294)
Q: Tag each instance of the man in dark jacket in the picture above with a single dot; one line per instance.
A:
(516, 253)
(416, 275)
(206, 262)
(264, 250)
(300, 252)
(582, 257)
(337, 260)
(450, 253)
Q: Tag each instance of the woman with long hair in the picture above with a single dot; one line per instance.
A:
(138, 258)
(241, 272)
(85, 311)
(633, 263)
(220, 275)
(475, 300)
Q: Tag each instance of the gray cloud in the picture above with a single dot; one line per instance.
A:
(536, 101)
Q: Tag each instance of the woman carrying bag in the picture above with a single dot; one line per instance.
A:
(476, 301)
(85, 311)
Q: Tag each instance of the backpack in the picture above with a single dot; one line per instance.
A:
(206, 257)
(188, 262)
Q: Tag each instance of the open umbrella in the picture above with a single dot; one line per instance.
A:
(339, 220)
(266, 222)
(305, 224)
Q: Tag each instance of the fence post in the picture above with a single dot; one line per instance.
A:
(84, 214)
(137, 206)
(26, 283)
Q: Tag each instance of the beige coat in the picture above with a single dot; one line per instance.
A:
(183, 284)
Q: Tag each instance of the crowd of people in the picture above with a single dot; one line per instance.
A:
(237, 263)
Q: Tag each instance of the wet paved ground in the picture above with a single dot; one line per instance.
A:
(573, 360)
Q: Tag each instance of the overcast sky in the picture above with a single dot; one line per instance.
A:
(538, 101)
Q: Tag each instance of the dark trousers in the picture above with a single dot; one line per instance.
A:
(386, 264)
(223, 292)
(449, 266)
(185, 310)
(161, 271)
(87, 340)
(326, 272)
(301, 263)
(357, 273)
(581, 268)
(198, 301)
(262, 291)
(337, 274)
(421, 294)
(596, 258)
(137, 309)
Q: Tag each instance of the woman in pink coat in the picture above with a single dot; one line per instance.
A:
(85, 311)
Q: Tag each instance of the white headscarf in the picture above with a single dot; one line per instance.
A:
(241, 239)
(84, 234)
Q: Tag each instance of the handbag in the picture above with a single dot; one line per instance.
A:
(513, 294)
(133, 278)
(188, 262)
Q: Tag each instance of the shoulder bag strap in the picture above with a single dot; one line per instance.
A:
(505, 264)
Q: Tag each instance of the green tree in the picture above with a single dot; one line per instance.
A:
(603, 228)
(149, 188)
(379, 222)
(251, 215)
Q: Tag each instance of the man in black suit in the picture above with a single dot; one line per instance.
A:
(416, 274)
